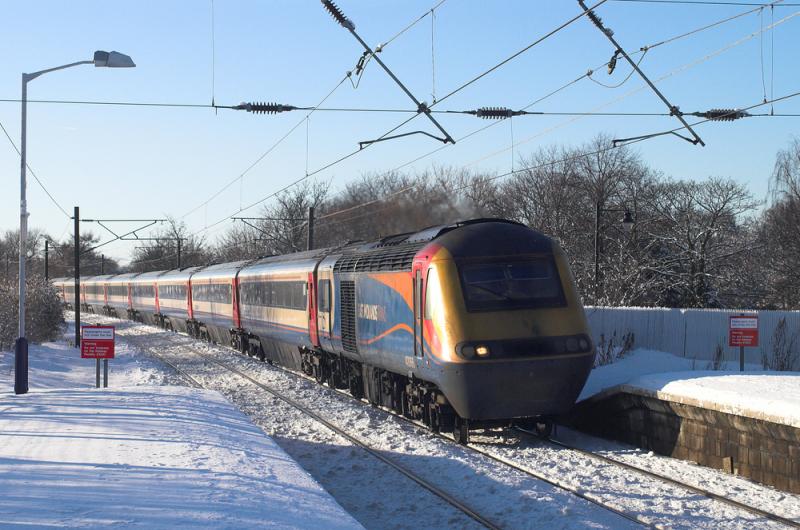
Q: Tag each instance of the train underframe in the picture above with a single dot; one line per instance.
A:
(407, 396)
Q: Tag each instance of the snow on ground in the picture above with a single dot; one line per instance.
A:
(57, 365)
(370, 491)
(137, 454)
(755, 393)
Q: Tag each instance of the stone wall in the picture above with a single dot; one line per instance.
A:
(763, 451)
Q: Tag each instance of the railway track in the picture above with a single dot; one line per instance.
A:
(488, 453)
(443, 495)
(711, 495)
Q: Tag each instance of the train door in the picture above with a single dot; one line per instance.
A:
(419, 339)
(324, 309)
(313, 333)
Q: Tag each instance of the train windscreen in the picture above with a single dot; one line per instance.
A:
(518, 284)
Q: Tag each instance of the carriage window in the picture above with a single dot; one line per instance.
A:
(512, 285)
(172, 292)
(324, 295)
(219, 293)
(144, 291)
(288, 295)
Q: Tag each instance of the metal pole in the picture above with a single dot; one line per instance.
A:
(21, 345)
(741, 358)
(597, 251)
(179, 252)
(105, 373)
(102, 263)
(97, 373)
(77, 218)
(310, 228)
(46, 259)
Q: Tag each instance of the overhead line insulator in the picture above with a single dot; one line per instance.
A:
(265, 108)
(495, 113)
(338, 16)
(722, 114)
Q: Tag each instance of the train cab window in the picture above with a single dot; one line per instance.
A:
(518, 284)
(433, 298)
(324, 295)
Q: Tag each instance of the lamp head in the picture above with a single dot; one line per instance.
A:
(112, 60)
(628, 221)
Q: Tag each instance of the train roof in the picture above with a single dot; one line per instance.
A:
(123, 277)
(149, 276)
(181, 274)
(220, 270)
(396, 252)
(99, 278)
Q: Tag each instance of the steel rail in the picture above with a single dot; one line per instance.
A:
(344, 434)
(695, 489)
(574, 491)
(488, 454)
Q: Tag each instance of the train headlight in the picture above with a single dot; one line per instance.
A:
(572, 344)
(583, 343)
(482, 351)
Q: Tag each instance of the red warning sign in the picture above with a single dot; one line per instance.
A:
(97, 342)
(743, 330)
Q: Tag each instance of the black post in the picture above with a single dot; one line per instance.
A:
(597, 251)
(310, 228)
(46, 259)
(102, 263)
(77, 218)
(179, 252)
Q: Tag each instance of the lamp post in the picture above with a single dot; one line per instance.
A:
(101, 59)
(627, 225)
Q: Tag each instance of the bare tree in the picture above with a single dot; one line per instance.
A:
(173, 246)
(699, 238)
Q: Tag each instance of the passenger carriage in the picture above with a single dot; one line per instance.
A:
(144, 297)
(174, 298)
(118, 295)
(214, 307)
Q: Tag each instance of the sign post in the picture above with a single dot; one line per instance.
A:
(743, 332)
(97, 342)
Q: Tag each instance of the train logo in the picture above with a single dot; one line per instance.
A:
(372, 312)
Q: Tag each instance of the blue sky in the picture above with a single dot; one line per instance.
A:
(139, 162)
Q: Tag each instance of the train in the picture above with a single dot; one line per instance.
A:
(470, 325)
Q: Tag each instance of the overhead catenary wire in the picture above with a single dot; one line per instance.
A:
(704, 2)
(567, 85)
(260, 158)
(517, 54)
(669, 74)
(538, 166)
(33, 174)
(336, 13)
(264, 154)
(337, 161)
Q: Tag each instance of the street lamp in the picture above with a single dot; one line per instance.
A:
(627, 225)
(101, 58)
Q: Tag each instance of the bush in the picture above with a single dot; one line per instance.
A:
(784, 350)
(44, 314)
(609, 350)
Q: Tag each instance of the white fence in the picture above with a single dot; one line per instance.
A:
(692, 333)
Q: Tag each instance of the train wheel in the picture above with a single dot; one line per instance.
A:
(434, 416)
(543, 428)
(461, 430)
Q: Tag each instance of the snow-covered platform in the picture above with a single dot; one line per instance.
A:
(150, 456)
(744, 422)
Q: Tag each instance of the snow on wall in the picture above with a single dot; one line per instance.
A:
(692, 333)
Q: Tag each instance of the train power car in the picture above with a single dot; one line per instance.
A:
(470, 325)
